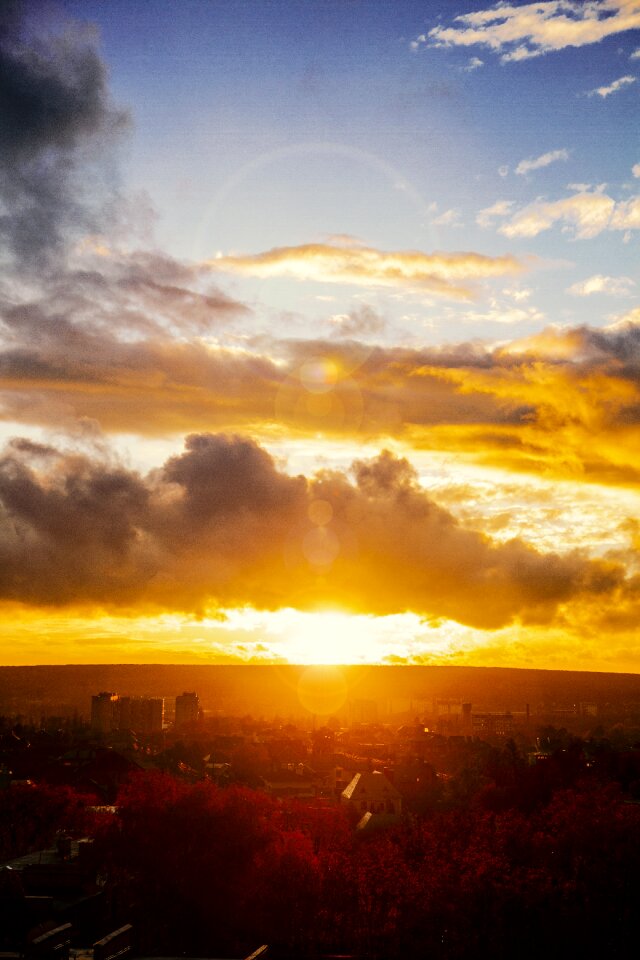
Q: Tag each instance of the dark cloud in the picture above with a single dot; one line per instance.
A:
(56, 117)
(221, 525)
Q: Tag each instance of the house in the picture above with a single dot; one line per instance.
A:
(372, 792)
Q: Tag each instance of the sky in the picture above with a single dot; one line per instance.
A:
(320, 332)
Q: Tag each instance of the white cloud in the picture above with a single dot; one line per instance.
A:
(533, 29)
(635, 169)
(587, 213)
(450, 218)
(613, 286)
(504, 313)
(526, 166)
(612, 88)
(501, 208)
(519, 294)
(626, 215)
(473, 64)
(635, 55)
(503, 170)
(629, 319)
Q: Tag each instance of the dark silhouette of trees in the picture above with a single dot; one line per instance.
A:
(211, 871)
(32, 814)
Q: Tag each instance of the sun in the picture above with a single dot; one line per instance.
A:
(330, 637)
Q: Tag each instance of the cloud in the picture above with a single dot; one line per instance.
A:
(564, 403)
(614, 286)
(526, 166)
(447, 274)
(587, 213)
(361, 322)
(501, 208)
(505, 313)
(626, 323)
(449, 218)
(635, 169)
(474, 64)
(612, 88)
(221, 525)
(56, 116)
(534, 29)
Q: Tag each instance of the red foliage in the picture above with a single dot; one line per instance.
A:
(214, 871)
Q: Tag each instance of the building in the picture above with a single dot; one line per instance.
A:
(187, 709)
(373, 793)
(104, 715)
(110, 712)
(142, 714)
(492, 724)
(588, 709)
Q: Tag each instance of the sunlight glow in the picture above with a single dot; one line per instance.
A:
(331, 637)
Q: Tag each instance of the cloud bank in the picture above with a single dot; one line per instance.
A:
(221, 525)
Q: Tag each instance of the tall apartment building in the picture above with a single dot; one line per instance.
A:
(104, 717)
(110, 712)
(142, 714)
(187, 709)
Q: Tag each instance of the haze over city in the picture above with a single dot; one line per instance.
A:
(319, 333)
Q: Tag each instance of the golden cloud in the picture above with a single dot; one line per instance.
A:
(561, 403)
(219, 525)
(447, 274)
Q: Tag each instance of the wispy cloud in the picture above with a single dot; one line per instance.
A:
(448, 218)
(533, 29)
(612, 87)
(448, 274)
(536, 163)
(501, 208)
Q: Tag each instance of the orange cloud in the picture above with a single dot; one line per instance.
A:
(220, 525)
(562, 402)
(447, 274)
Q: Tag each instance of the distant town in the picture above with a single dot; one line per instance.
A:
(163, 825)
(417, 744)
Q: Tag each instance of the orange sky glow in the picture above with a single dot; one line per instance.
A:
(301, 383)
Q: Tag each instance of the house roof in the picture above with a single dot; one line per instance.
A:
(370, 786)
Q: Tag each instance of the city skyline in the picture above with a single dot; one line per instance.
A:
(319, 333)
